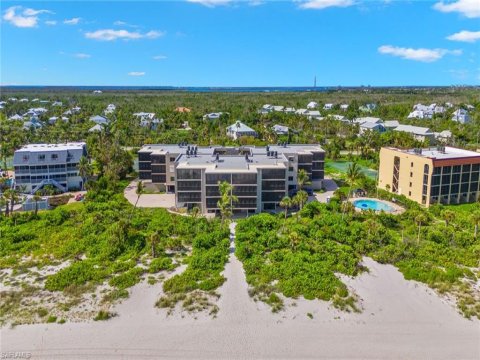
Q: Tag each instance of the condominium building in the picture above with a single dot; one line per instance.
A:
(37, 165)
(444, 175)
(261, 176)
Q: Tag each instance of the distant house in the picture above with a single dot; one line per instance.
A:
(57, 103)
(278, 108)
(182, 109)
(23, 100)
(344, 107)
(97, 119)
(54, 119)
(76, 109)
(97, 91)
(15, 117)
(420, 114)
(368, 119)
(144, 115)
(461, 116)
(33, 123)
(289, 110)
(470, 107)
(443, 137)
(337, 117)
(212, 116)
(312, 105)
(439, 110)
(313, 114)
(368, 107)
(302, 112)
(35, 100)
(239, 129)
(12, 99)
(328, 107)
(110, 109)
(391, 124)
(96, 128)
(419, 133)
(371, 126)
(448, 105)
(280, 129)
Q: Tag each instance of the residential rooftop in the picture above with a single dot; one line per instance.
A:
(52, 147)
(441, 153)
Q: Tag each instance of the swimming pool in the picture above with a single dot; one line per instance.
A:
(372, 204)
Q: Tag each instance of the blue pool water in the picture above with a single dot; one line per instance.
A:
(373, 205)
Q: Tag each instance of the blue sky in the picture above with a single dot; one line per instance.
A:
(240, 43)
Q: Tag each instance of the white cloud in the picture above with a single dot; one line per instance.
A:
(159, 57)
(323, 4)
(111, 35)
(468, 8)
(25, 19)
(51, 22)
(82, 56)
(211, 3)
(136, 73)
(423, 55)
(465, 36)
(119, 23)
(72, 21)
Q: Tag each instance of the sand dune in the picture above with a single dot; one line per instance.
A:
(400, 320)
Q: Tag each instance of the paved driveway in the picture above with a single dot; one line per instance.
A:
(330, 187)
(148, 200)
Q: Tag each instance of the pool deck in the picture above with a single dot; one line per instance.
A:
(397, 209)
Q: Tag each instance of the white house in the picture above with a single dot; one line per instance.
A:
(391, 124)
(110, 109)
(97, 91)
(302, 112)
(212, 116)
(15, 117)
(368, 119)
(57, 103)
(280, 129)
(278, 108)
(420, 114)
(144, 115)
(313, 114)
(289, 110)
(371, 126)
(368, 107)
(439, 109)
(344, 107)
(419, 133)
(328, 107)
(96, 128)
(461, 116)
(444, 136)
(239, 129)
(23, 100)
(97, 119)
(312, 105)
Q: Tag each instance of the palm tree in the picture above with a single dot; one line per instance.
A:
(139, 191)
(301, 198)
(154, 239)
(420, 219)
(302, 179)
(11, 195)
(448, 216)
(195, 211)
(353, 175)
(286, 203)
(475, 217)
(225, 204)
(84, 170)
(36, 197)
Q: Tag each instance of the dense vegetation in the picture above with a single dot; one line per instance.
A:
(303, 255)
(104, 240)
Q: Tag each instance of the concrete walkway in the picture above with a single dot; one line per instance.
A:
(330, 187)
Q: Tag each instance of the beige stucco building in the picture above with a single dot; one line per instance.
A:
(429, 176)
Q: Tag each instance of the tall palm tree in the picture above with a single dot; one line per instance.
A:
(448, 216)
(475, 217)
(36, 197)
(139, 191)
(302, 179)
(420, 219)
(154, 239)
(286, 203)
(84, 170)
(12, 196)
(227, 199)
(301, 198)
(353, 175)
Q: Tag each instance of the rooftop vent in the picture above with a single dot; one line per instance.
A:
(217, 157)
(417, 151)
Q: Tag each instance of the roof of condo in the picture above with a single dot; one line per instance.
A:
(231, 163)
(210, 150)
(442, 153)
(52, 147)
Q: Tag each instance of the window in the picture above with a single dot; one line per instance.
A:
(41, 157)
(290, 169)
(409, 193)
(54, 156)
(172, 178)
(290, 178)
(172, 159)
(411, 174)
(410, 184)
(25, 158)
(411, 164)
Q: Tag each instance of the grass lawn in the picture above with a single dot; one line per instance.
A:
(341, 166)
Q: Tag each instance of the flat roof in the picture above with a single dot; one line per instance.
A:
(231, 163)
(437, 154)
(52, 147)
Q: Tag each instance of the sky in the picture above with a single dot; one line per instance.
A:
(240, 43)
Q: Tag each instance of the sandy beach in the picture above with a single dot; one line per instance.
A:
(400, 320)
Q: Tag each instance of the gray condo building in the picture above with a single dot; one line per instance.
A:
(261, 176)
